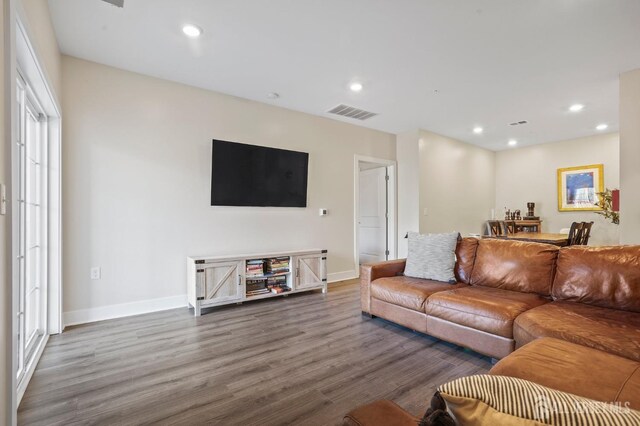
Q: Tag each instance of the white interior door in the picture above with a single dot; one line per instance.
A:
(372, 221)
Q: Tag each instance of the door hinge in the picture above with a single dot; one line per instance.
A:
(386, 177)
(386, 252)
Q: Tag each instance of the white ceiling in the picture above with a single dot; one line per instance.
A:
(492, 62)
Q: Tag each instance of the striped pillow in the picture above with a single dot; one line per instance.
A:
(432, 256)
(492, 400)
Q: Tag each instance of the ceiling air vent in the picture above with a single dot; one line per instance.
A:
(518, 123)
(351, 112)
(119, 3)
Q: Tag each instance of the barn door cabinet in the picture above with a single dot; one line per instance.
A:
(310, 271)
(222, 280)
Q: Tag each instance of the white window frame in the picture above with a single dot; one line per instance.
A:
(22, 59)
(30, 195)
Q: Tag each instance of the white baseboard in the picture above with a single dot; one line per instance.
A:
(100, 313)
(341, 276)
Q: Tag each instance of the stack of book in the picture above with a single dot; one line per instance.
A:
(278, 284)
(256, 287)
(277, 265)
(255, 267)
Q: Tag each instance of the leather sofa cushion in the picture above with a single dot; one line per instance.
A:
(609, 330)
(568, 367)
(602, 276)
(408, 292)
(515, 265)
(492, 310)
(382, 412)
(465, 257)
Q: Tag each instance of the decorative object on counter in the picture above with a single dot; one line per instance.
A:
(512, 215)
(578, 188)
(609, 202)
(531, 214)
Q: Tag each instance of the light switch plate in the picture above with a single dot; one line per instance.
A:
(3, 199)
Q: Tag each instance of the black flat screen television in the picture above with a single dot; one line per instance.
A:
(258, 176)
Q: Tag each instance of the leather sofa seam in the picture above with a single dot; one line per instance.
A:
(624, 384)
(473, 313)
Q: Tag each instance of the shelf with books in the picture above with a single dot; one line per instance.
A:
(270, 284)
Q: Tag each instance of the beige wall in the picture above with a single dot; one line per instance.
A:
(137, 183)
(630, 157)
(457, 184)
(529, 174)
(38, 21)
(407, 156)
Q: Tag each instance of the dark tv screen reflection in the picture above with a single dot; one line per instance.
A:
(257, 176)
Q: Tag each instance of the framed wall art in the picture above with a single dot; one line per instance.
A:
(578, 187)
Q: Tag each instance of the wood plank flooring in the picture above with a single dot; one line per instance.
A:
(305, 359)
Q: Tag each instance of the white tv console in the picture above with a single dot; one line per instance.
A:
(221, 280)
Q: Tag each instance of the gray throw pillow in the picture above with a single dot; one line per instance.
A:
(432, 256)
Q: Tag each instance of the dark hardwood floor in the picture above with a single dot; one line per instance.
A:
(305, 359)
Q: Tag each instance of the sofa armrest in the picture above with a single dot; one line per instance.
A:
(371, 272)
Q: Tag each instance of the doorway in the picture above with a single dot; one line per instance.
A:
(375, 210)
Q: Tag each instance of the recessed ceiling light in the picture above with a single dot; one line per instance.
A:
(602, 126)
(477, 130)
(192, 30)
(355, 87)
(512, 142)
(576, 107)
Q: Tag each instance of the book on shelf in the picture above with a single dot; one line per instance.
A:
(255, 267)
(257, 292)
(276, 280)
(277, 264)
(255, 288)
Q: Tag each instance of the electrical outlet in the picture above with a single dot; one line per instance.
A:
(95, 273)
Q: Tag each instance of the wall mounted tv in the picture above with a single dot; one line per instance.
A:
(250, 175)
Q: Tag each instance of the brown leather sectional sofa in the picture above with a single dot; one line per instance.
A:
(510, 293)
(573, 314)
(554, 363)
